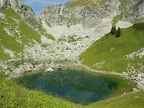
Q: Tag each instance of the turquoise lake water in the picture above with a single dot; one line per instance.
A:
(73, 85)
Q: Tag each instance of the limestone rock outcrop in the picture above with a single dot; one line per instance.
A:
(24, 11)
(133, 11)
(15, 4)
(90, 12)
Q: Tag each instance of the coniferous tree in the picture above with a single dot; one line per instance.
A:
(118, 33)
(25, 9)
(113, 30)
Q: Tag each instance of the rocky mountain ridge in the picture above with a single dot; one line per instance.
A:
(87, 16)
(15, 4)
(25, 12)
(90, 12)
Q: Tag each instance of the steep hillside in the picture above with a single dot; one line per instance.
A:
(115, 54)
(26, 13)
(15, 34)
(124, 54)
(86, 21)
(90, 12)
(19, 29)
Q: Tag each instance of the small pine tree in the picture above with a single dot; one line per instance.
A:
(22, 6)
(25, 9)
(118, 33)
(113, 30)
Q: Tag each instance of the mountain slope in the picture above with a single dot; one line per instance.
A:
(87, 21)
(15, 34)
(75, 26)
(90, 12)
(113, 54)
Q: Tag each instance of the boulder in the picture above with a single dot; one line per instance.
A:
(48, 70)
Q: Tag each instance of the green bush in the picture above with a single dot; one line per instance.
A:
(118, 33)
(113, 30)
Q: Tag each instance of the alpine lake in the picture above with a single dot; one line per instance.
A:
(76, 84)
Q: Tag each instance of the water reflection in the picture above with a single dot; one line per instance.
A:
(71, 93)
(77, 86)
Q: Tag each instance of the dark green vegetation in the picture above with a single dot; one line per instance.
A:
(118, 33)
(113, 30)
(109, 53)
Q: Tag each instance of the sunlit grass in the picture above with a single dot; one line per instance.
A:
(16, 96)
(112, 51)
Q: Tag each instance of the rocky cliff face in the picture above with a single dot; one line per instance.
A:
(90, 12)
(15, 4)
(24, 11)
(28, 15)
(132, 11)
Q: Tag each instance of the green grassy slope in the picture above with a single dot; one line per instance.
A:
(15, 96)
(32, 21)
(110, 52)
(133, 100)
(11, 22)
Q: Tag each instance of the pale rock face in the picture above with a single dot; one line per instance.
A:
(2, 16)
(70, 41)
(89, 17)
(26, 12)
(15, 4)
(9, 52)
(133, 11)
(123, 24)
(4, 3)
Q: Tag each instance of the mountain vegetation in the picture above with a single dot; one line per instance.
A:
(109, 53)
(14, 34)
(97, 33)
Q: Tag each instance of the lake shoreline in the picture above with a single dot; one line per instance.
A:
(122, 86)
(29, 67)
(137, 79)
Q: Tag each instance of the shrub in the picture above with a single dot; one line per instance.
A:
(118, 33)
(113, 30)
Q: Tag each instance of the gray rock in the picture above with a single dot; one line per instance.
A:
(15, 4)
(89, 16)
(134, 89)
(140, 84)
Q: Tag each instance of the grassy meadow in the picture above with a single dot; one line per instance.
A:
(109, 53)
